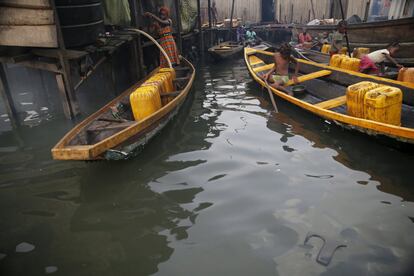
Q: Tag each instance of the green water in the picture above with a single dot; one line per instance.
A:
(228, 188)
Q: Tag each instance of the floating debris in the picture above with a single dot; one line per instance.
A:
(51, 269)
(24, 247)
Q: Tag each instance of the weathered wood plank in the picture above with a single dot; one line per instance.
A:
(25, 16)
(26, 3)
(28, 36)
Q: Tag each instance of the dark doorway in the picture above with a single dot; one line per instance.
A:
(268, 10)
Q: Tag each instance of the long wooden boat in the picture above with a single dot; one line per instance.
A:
(320, 57)
(326, 95)
(227, 49)
(376, 35)
(103, 136)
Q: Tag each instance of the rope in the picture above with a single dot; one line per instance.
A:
(154, 41)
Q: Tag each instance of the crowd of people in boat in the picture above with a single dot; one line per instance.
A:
(372, 63)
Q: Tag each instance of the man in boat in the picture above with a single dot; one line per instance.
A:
(305, 39)
(166, 38)
(373, 63)
(241, 33)
(282, 58)
(337, 38)
(251, 36)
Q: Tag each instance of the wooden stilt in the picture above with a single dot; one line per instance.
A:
(200, 29)
(70, 104)
(179, 37)
(231, 19)
(7, 98)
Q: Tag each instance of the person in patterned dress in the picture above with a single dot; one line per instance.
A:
(166, 38)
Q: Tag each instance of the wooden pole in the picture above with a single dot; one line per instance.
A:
(346, 32)
(291, 13)
(70, 104)
(200, 29)
(178, 15)
(134, 43)
(280, 12)
(231, 19)
(209, 14)
(7, 98)
(140, 11)
(210, 23)
(313, 9)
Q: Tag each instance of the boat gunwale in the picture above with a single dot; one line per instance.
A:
(381, 128)
(88, 152)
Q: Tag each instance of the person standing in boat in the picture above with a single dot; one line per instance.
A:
(282, 58)
(166, 38)
(373, 63)
(337, 38)
(214, 14)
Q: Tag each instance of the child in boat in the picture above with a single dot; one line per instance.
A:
(282, 58)
(337, 38)
(372, 62)
(166, 38)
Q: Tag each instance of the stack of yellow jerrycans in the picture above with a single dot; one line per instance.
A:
(375, 102)
(345, 62)
(146, 99)
(327, 47)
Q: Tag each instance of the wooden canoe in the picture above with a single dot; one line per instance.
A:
(101, 136)
(226, 49)
(325, 95)
(319, 57)
(376, 35)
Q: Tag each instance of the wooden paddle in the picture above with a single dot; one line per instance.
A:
(272, 97)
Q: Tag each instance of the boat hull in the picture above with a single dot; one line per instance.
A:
(127, 142)
(395, 133)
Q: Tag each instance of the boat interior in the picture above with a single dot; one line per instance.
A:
(321, 89)
(118, 115)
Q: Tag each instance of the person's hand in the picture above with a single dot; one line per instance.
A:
(266, 76)
(148, 14)
(400, 66)
(295, 79)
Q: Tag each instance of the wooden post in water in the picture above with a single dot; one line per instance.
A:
(134, 42)
(70, 104)
(231, 19)
(200, 29)
(7, 98)
(178, 15)
(210, 23)
(346, 31)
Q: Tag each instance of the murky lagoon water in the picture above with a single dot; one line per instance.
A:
(228, 188)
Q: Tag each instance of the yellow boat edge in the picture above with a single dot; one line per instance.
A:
(402, 134)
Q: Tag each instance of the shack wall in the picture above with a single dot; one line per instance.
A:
(247, 10)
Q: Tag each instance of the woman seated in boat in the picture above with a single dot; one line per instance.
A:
(337, 38)
(372, 62)
(166, 38)
(282, 58)
(305, 39)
